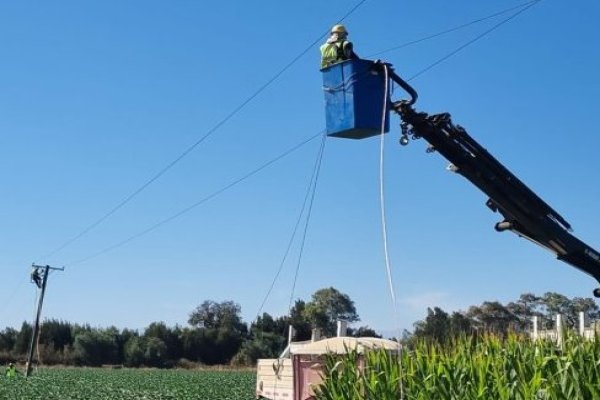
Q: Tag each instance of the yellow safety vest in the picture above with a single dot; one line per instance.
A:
(332, 53)
(11, 372)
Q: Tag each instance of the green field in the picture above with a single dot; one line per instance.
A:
(120, 384)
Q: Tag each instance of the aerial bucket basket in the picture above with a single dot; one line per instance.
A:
(354, 99)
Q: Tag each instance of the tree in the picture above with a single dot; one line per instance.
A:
(23, 339)
(492, 316)
(96, 347)
(326, 307)
(210, 346)
(8, 338)
(56, 334)
(134, 352)
(299, 321)
(218, 334)
(261, 345)
(155, 352)
(530, 304)
(460, 324)
(588, 306)
(435, 326)
(125, 336)
(171, 338)
(213, 315)
(268, 338)
(556, 303)
(363, 331)
(266, 323)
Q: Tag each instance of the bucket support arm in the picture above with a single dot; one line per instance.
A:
(524, 212)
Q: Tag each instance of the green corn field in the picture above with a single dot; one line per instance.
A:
(468, 368)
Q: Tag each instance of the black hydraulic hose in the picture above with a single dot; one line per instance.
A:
(404, 85)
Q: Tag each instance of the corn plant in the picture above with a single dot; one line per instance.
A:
(512, 368)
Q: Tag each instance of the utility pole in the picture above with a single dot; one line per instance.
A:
(40, 282)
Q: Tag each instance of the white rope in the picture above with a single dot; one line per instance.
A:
(382, 193)
(388, 265)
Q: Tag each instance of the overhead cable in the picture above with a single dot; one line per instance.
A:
(295, 229)
(470, 42)
(456, 28)
(189, 149)
(196, 204)
(6, 303)
(306, 223)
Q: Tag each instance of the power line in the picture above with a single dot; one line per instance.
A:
(188, 150)
(235, 111)
(296, 225)
(196, 204)
(12, 295)
(470, 42)
(456, 28)
(304, 233)
(523, 7)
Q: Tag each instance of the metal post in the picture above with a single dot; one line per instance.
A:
(559, 329)
(36, 326)
(342, 328)
(291, 334)
(315, 335)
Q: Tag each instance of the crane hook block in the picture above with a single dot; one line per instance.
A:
(354, 99)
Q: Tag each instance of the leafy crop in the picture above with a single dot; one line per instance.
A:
(489, 368)
(126, 384)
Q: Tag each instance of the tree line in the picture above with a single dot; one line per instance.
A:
(215, 333)
(501, 319)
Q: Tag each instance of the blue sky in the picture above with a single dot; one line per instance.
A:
(96, 98)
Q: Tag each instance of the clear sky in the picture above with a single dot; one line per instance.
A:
(97, 97)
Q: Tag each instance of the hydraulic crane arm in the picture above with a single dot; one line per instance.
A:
(524, 213)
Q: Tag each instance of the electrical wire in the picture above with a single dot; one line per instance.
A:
(470, 42)
(263, 87)
(456, 28)
(522, 7)
(189, 149)
(196, 204)
(236, 110)
(312, 185)
(304, 233)
(295, 230)
(6, 303)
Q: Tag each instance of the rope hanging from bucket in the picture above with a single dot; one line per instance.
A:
(388, 264)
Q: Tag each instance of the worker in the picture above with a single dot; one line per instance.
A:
(36, 278)
(11, 371)
(337, 48)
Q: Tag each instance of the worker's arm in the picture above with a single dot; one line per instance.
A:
(348, 49)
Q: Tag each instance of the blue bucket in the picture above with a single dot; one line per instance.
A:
(354, 91)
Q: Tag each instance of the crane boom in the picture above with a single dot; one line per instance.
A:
(524, 212)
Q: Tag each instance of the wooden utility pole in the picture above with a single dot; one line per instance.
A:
(40, 282)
